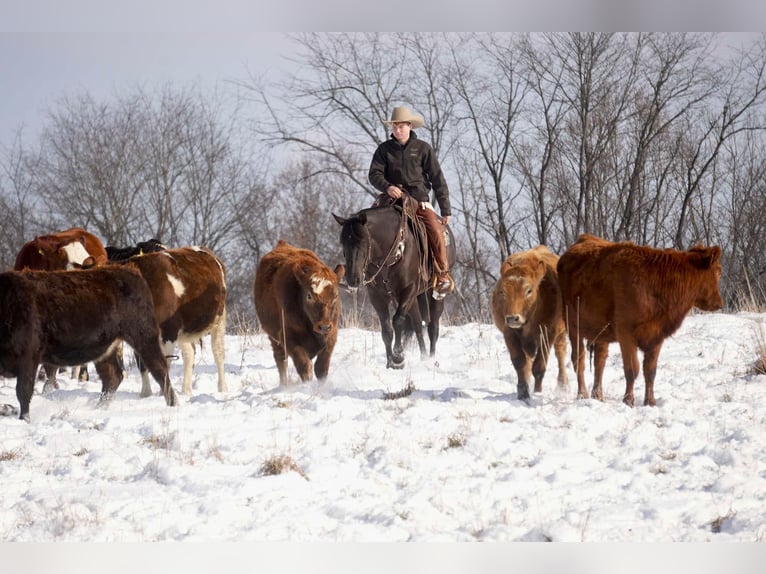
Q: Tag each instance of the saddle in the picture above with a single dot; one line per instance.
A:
(408, 206)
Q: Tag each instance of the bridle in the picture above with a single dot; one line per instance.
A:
(390, 259)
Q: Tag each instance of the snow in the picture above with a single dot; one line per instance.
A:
(458, 460)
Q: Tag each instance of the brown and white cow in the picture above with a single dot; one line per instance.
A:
(72, 248)
(188, 286)
(298, 305)
(526, 308)
(634, 295)
(66, 249)
(43, 322)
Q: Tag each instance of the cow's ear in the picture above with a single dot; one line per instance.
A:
(715, 254)
(340, 271)
(339, 219)
(706, 258)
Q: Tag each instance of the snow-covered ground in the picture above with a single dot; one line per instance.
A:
(459, 459)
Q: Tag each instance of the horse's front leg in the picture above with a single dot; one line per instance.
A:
(386, 330)
(398, 352)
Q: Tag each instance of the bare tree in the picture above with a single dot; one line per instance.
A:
(19, 203)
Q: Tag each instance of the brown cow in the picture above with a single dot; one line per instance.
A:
(526, 308)
(297, 303)
(43, 321)
(188, 286)
(72, 248)
(634, 295)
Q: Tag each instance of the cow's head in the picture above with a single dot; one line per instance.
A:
(519, 283)
(320, 297)
(74, 255)
(707, 292)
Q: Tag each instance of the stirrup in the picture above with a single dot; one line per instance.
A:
(442, 285)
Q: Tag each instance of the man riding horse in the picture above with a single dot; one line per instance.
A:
(404, 164)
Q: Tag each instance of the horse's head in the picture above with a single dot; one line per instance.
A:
(356, 247)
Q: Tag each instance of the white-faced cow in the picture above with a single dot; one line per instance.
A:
(634, 295)
(66, 249)
(298, 305)
(188, 286)
(43, 321)
(526, 308)
(72, 248)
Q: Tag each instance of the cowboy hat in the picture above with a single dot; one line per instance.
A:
(405, 114)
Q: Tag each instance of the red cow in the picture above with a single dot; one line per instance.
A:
(634, 295)
(297, 303)
(43, 322)
(526, 308)
(188, 286)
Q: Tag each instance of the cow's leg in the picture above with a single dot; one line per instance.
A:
(218, 344)
(25, 388)
(650, 370)
(560, 348)
(322, 364)
(51, 383)
(79, 372)
(154, 360)
(280, 357)
(578, 360)
(187, 359)
(302, 361)
(539, 365)
(146, 387)
(630, 367)
(600, 354)
(520, 363)
(108, 369)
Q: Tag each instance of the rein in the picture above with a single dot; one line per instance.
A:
(397, 241)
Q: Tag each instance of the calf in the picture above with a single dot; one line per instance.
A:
(526, 308)
(634, 295)
(42, 321)
(188, 286)
(297, 303)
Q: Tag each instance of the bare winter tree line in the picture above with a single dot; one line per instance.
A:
(655, 138)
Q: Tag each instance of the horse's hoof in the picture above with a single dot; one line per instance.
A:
(394, 364)
(105, 399)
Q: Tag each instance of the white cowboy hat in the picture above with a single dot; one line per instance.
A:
(405, 114)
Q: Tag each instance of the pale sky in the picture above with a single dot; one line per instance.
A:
(39, 68)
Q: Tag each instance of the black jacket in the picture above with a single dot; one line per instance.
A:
(413, 167)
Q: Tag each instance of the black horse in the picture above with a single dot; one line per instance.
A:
(384, 253)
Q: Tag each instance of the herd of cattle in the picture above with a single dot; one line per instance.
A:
(70, 300)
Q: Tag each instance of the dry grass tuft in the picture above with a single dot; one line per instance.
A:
(455, 440)
(759, 367)
(717, 524)
(164, 442)
(8, 455)
(279, 464)
(405, 392)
